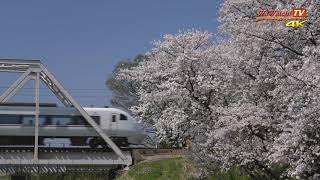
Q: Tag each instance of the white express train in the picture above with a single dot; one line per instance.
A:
(17, 125)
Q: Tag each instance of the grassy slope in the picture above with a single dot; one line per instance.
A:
(4, 177)
(175, 169)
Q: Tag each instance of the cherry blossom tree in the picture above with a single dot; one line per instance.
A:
(183, 76)
(251, 100)
(283, 91)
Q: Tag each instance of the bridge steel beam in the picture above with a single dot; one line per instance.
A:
(57, 162)
(16, 86)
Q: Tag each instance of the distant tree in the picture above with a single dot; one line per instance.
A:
(124, 91)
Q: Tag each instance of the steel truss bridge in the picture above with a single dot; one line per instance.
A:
(41, 159)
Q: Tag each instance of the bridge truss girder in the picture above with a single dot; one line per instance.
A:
(35, 70)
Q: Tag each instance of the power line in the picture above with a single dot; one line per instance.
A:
(44, 96)
(70, 89)
(22, 94)
(71, 92)
(46, 93)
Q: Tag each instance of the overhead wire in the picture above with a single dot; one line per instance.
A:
(76, 92)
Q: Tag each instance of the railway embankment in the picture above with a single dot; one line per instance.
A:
(145, 155)
(178, 168)
(159, 164)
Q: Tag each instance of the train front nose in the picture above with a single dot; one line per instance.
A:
(139, 128)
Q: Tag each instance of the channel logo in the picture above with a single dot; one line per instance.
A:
(294, 14)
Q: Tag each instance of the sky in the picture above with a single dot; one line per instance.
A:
(81, 41)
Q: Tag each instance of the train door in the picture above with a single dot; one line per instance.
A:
(114, 123)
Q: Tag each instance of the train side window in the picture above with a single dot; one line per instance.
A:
(43, 121)
(30, 120)
(79, 120)
(96, 119)
(114, 118)
(61, 120)
(10, 119)
(123, 117)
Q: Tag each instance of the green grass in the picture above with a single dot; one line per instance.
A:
(4, 177)
(233, 174)
(170, 169)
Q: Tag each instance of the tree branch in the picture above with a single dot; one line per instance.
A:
(273, 41)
